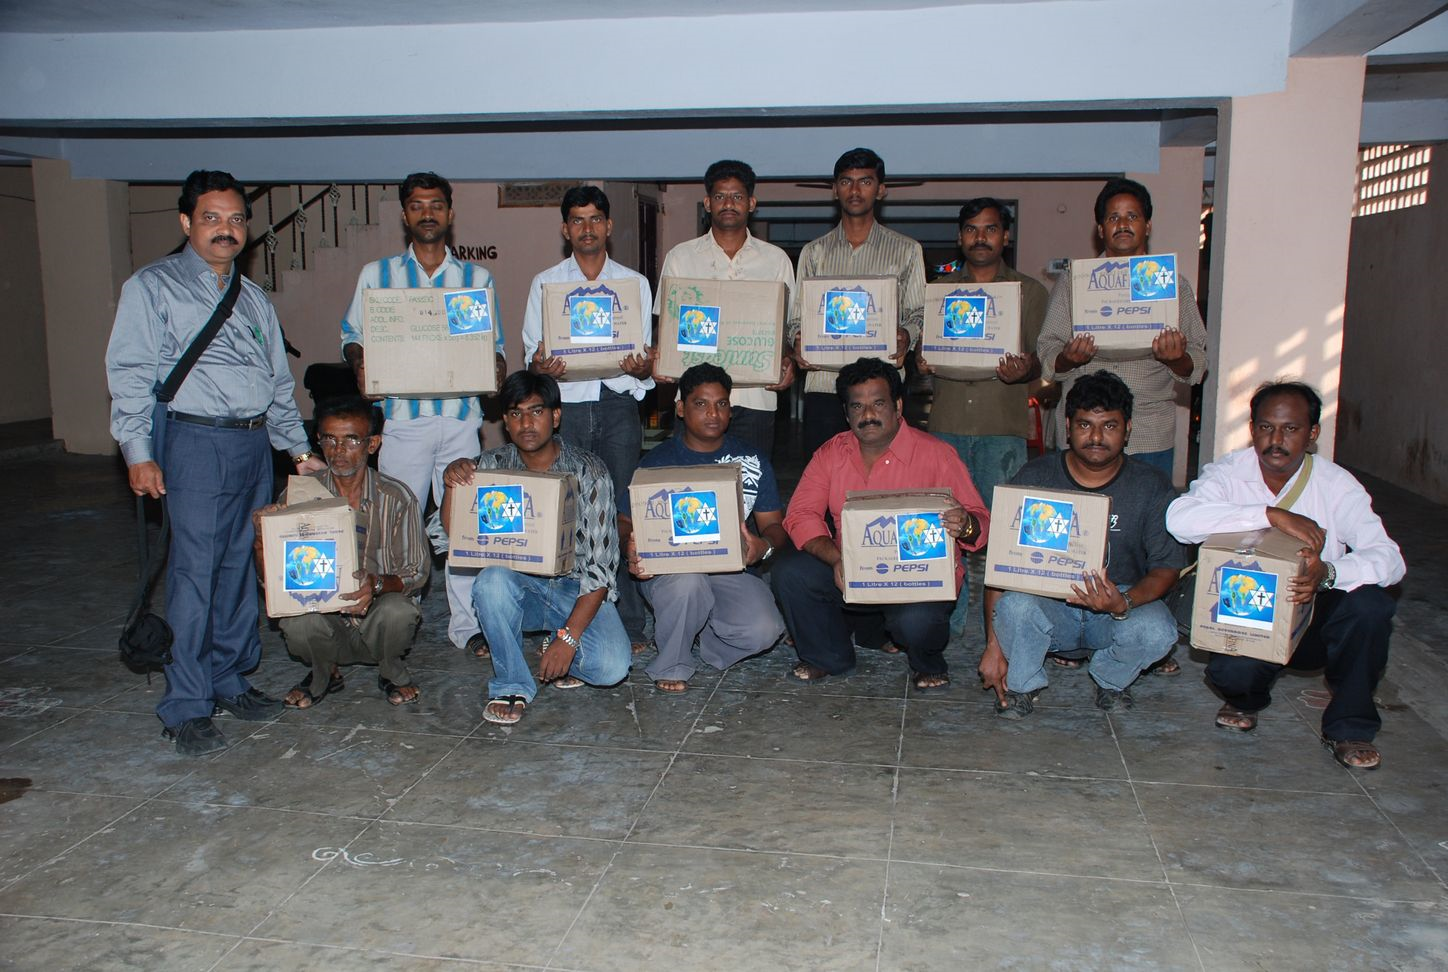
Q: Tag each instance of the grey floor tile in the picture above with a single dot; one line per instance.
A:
(1053, 740)
(958, 918)
(625, 716)
(536, 788)
(36, 825)
(108, 752)
(446, 892)
(1187, 747)
(324, 769)
(832, 728)
(876, 674)
(252, 955)
(1237, 931)
(687, 909)
(103, 632)
(449, 705)
(1020, 823)
(1286, 841)
(24, 713)
(51, 944)
(217, 869)
(75, 678)
(773, 805)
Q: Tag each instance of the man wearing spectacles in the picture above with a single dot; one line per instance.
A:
(728, 251)
(378, 627)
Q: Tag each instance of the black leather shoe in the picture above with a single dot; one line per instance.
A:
(252, 705)
(196, 737)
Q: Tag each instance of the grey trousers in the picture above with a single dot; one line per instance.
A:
(380, 638)
(732, 615)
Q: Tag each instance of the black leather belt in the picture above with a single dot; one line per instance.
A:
(220, 423)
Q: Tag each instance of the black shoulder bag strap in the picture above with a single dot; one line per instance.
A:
(146, 639)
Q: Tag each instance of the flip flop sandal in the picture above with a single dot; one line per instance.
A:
(334, 684)
(917, 677)
(1168, 666)
(1347, 750)
(1061, 661)
(507, 719)
(567, 682)
(806, 672)
(393, 691)
(683, 685)
(1228, 711)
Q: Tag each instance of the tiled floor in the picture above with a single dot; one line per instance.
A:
(753, 822)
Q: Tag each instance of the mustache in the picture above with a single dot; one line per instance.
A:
(869, 422)
(224, 238)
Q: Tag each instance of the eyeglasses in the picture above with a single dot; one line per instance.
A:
(332, 442)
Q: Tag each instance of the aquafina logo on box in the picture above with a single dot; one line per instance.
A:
(1153, 277)
(694, 516)
(590, 315)
(847, 312)
(965, 316)
(1045, 524)
(1246, 598)
(699, 328)
(468, 312)
(500, 510)
(310, 566)
(920, 536)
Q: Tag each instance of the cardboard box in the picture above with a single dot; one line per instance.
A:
(311, 551)
(969, 327)
(1041, 540)
(430, 342)
(686, 519)
(593, 325)
(515, 518)
(1124, 303)
(1242, 604)
(895, 547)
(844, 318)
(735, 324)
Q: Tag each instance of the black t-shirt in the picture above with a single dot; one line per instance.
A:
(1138, 540)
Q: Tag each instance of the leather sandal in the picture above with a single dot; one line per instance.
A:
(1231, 717)
(1354, 753)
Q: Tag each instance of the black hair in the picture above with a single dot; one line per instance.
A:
(974, 207)
(1100, 389)
(703, 374)
(863, 370)
(424, 180)
(580, 196)
(524, 384)
(348, 406)
(202, 181)
(860, 158)
(728, 169)
(1301, 389)
(1122, 187)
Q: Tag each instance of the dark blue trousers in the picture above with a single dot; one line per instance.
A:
(215, 478)
(1348, 639)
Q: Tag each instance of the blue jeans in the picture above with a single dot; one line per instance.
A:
(1028, 626)
(509, 603)
(1162, 460)
(991, 460)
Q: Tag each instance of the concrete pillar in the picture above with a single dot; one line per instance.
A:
(1176, 225)
(1286, 170)
(85, 256)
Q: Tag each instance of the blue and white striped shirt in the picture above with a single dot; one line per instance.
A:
(403, 271)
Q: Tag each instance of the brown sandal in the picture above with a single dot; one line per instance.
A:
(1231, 717)
(806, 672)
(1354, 753)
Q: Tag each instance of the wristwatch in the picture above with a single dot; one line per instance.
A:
(1129, 605)
(1329, 580)
(302, 457)
(768, 552)
(376, 585)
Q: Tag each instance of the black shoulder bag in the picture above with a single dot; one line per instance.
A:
(146, 639)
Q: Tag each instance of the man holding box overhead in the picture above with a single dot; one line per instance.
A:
(1123, 222)
(422, 435)
(879, 451)
(1349, 559)
(586, 641)
(731, 615)
(728, 251)
(1115, 616)
(858, 246)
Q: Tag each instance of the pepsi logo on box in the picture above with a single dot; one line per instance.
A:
(514, 518)
(428, 342)
(686, 519)
(1124, 303)
(310, 550)
(1242, 604)
(1042, 540)
(593, 325)
(895, 548)
(969, 327)
(844, 318)
(735, 324)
